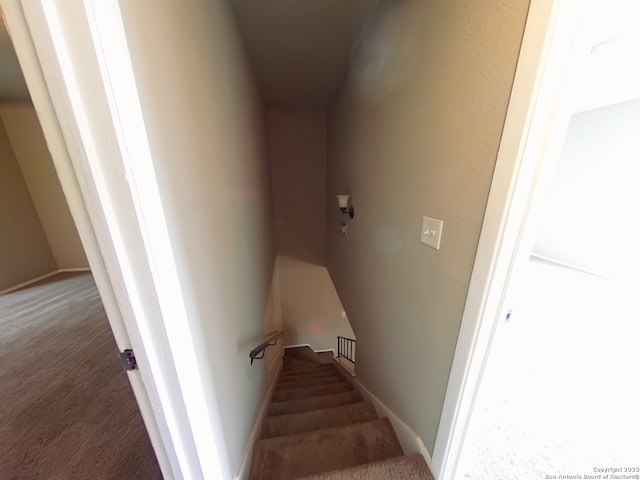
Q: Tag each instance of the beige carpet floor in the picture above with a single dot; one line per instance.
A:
(314, 429)
(66, 406)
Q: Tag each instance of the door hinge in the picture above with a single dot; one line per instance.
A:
(128, 360)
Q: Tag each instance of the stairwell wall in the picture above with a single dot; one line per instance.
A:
(24, 251)
(29, 145)
(311, 309)
(414, 131)
(206, 125)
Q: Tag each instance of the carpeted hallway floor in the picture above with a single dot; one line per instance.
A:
(66, 407)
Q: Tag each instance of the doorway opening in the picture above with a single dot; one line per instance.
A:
(559, 391)
(66, 405)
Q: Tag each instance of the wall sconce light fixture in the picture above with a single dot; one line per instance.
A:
(343, 204)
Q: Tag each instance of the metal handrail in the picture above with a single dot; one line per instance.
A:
(346, 348)
(260, 349)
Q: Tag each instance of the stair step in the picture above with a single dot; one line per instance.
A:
(412, 467)
(326, 357)
(324, 372)
(302, 353)
(309, 368)
(295, 363)
(313, 403)
(309, 382)
(324, 450)
(311, 391)
(317, 419)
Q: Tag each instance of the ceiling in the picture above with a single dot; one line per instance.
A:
(12, 84)
(301, 49)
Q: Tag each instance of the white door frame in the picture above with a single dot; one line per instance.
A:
(81, 83)
(536, 123)
(113, 200)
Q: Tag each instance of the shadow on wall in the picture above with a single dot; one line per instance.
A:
(272, 322)
(32, 154)
(386, 60)
(311, 309)
(297, 154)
(413, 131)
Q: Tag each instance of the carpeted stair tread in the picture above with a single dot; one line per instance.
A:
(302, 353)
(290, 363)
(333, 373)
(317, 419)
(295, 355)
(310, 382)
(311, 391)
(318, 427)
(309, 368)
(324, 372)
(324, 450)
(411, 467)
(326, 357)
(321, 374)
(299, 367)
(313, 403)
(306, 363)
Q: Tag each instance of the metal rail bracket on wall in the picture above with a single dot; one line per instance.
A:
(258, 352)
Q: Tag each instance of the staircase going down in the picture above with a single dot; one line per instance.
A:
(319, 427)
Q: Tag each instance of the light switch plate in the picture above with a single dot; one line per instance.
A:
(431, 232)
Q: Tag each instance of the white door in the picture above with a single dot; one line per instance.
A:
(62, 58)
(90, 226)
(590, 60)
(560, 388)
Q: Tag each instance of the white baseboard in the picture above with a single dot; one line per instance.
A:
(409, 440)
(346, 365)
(28, 282)
(245, 462)
(298, 346)
(42, 277)
(332, 350)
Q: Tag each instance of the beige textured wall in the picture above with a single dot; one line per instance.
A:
(24, 251)
(311, 309)
(207, 130)
(298, 158)
(414, 131)
(25, 135)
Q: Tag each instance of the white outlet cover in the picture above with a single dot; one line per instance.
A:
(431, 232)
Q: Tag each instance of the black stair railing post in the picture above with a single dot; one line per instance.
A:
(345, 348)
